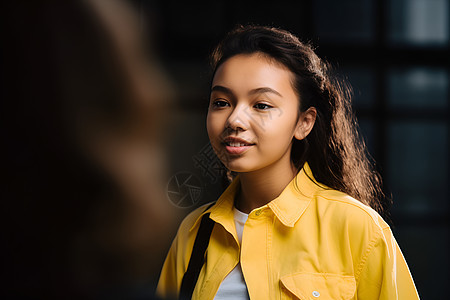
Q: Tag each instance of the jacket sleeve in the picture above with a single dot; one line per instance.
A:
(170, 279)
(177, 259)
(384, 273)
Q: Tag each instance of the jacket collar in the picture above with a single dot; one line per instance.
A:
(288, 207)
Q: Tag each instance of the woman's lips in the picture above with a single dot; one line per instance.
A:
(237, 149)
(236, 146)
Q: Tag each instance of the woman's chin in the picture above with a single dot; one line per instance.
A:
(240, 167)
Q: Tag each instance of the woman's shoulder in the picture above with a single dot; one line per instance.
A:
(192, 219)
(348, 211)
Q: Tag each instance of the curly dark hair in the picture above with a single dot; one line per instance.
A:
(334, 150)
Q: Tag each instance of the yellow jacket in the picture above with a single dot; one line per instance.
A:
(311, 242)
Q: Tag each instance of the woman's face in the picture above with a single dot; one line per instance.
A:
(253, 113)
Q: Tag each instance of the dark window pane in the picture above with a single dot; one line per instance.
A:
(344, 21)
(362, 81)
(367, 130)
(418, 166)
(426, 251)
(418, 88)
(418, 22)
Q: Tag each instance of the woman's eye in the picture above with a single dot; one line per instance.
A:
(219, 103)
(262, 106)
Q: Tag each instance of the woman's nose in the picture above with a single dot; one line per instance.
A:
(238, 119)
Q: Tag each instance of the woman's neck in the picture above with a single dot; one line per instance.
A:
(257, 188)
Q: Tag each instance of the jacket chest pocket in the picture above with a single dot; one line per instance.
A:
(317, 286)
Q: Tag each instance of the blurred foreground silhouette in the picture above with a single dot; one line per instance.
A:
(83, 100)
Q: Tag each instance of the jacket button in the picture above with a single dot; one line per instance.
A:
(258, 212)
(316, 294)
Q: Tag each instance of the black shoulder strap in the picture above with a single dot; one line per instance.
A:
(197, 257)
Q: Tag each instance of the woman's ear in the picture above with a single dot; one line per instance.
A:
(305, 123)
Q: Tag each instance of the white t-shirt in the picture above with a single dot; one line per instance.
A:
(233, 286)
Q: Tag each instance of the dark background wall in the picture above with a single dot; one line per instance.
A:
(394, 54)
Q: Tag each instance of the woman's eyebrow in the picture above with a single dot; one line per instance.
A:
(263, 90)
(220, 88)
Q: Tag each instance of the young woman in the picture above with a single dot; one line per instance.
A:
(300, 220)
